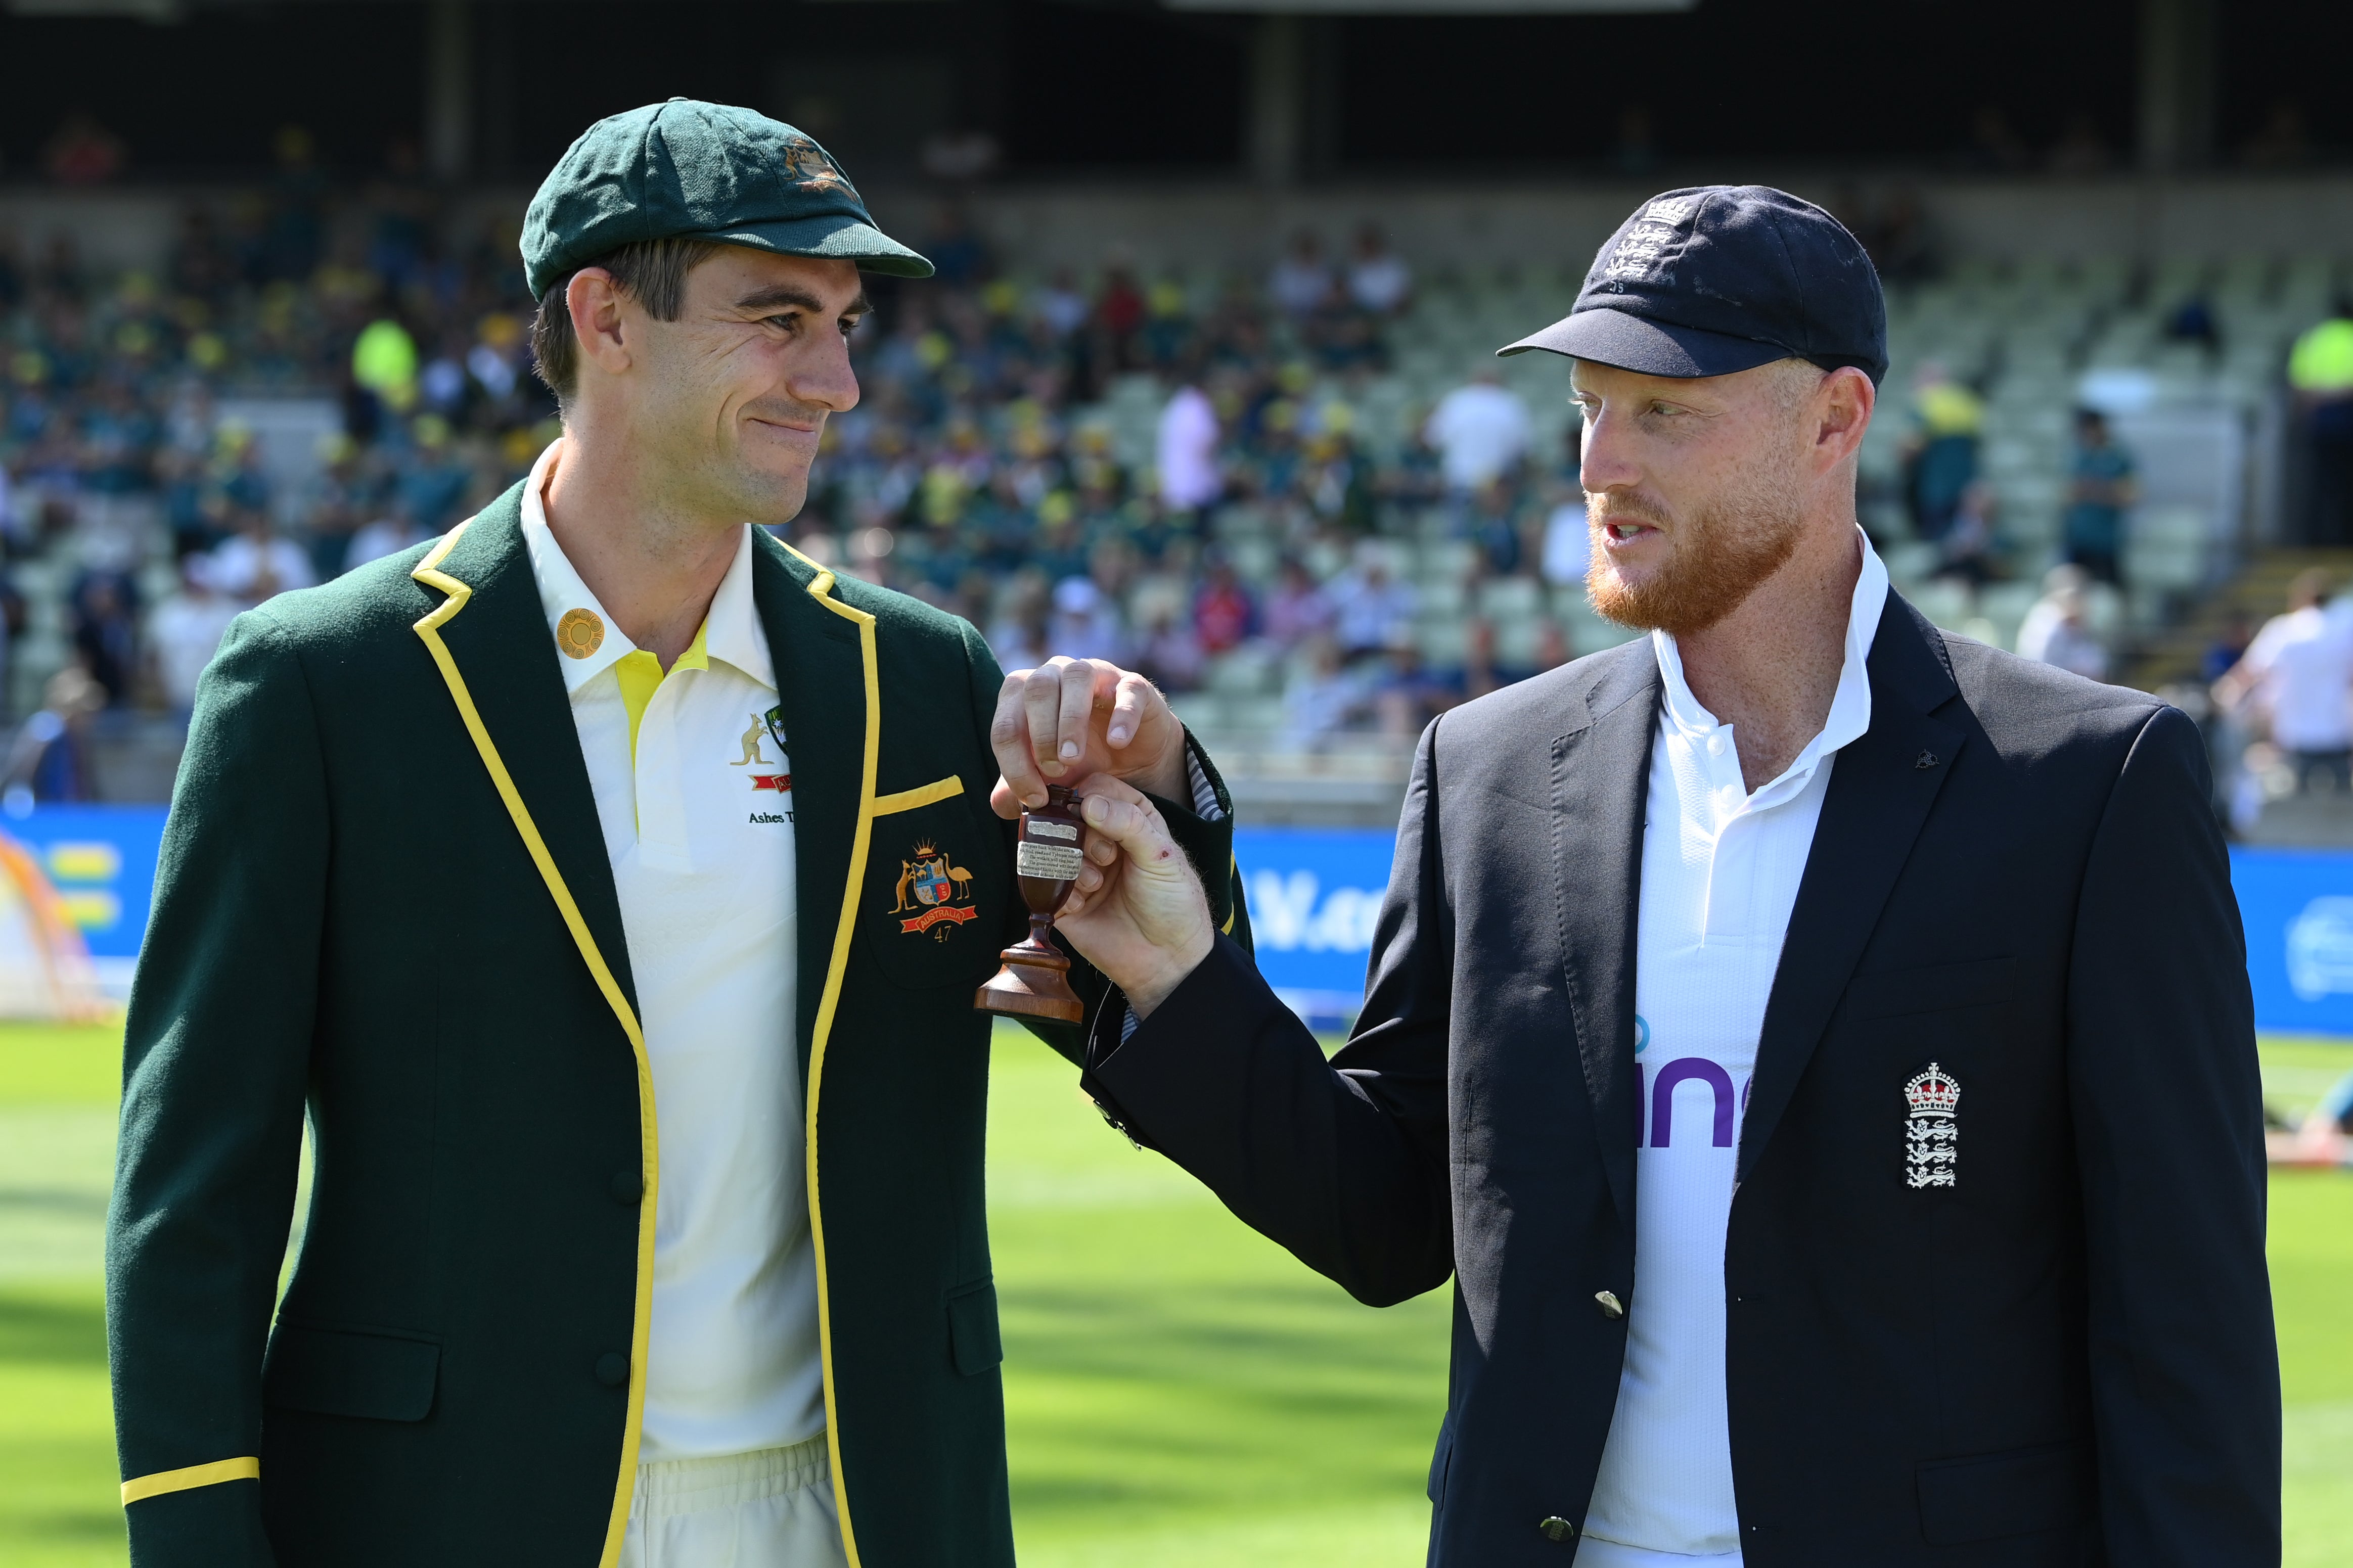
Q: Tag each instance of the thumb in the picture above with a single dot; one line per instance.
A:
(1120, 814)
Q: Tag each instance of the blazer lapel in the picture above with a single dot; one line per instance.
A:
(821, 688)
(1882, 787)
(506, 656)
(1601, 768)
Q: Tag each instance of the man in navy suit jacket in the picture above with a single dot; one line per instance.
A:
(1817, 1047)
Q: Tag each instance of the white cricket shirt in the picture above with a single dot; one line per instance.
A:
(1720, 873)
(2305, 660)
(694, 793)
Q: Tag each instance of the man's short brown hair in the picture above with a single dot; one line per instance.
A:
(651, 272)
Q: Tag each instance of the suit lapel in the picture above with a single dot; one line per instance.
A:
(1882, 787)
(500, 642)
(821, 688)
(1600, 779)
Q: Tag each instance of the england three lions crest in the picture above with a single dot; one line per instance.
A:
(1932, 1136)
(934, 894)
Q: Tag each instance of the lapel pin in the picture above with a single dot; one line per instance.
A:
(579, 633)
(1926, 760)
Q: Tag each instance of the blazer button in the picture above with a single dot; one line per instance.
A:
(1557, 1529)
(627, 1187)
(1611, 1308)
(612, 1369)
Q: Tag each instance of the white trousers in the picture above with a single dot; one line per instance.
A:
(1592, 1553)
(772, 1508)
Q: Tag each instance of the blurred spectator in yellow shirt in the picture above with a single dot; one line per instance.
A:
(2320, 369)
(1943, 457)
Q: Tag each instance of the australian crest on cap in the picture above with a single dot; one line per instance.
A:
(811, 169)
(1932, 1136)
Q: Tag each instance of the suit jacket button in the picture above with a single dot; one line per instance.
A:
(1611, 1308)
(627, 1187)
(1557, 1529)
(612, 1369)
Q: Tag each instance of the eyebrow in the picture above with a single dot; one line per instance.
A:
(786, 294)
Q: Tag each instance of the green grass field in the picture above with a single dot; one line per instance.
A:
(1180, 1393)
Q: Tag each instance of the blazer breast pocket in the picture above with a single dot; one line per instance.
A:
(933, 900)
(1932, 988)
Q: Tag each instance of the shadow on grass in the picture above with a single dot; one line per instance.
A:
(1305, 1331)
(52, 1331)
(97, 1527)
(48, 1200)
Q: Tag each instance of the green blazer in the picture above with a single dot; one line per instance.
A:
(384, 902)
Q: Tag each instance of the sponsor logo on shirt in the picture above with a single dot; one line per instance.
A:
(768, 727)
(1659, 1102)
(934, 894)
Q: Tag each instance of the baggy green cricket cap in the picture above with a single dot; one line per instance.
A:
(703, 170)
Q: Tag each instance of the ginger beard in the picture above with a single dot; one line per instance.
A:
(1719, 553)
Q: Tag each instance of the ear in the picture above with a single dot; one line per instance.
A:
(1841, 408)
(598, 310)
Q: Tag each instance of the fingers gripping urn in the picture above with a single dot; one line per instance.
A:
(1035, 982)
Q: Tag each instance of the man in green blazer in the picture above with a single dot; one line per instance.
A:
(608, 885)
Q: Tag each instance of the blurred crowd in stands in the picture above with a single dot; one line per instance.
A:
(130, 466)
(151, 485)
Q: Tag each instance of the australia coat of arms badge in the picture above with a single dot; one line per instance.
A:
(934, 894)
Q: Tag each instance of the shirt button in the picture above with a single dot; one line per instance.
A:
(1556, 1528)
(626, 1187)
(612, 1369)
(1715, 745)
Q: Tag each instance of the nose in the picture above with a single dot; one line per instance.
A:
(823, 375)
(1604, 461)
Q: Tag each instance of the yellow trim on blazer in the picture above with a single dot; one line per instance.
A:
(429, 570)
(829, 1000)
(1233, 874)
(947, 788)
(246, 1469)
(869, 806)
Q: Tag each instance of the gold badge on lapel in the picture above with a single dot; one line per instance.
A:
(579, 633)
(934, 894)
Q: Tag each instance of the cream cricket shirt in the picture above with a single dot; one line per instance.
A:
(1721, 867)
(694, 792)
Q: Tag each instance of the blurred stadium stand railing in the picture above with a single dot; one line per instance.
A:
(2191, 167)
(2030, 303)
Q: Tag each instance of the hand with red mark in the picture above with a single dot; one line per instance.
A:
(1136, 910)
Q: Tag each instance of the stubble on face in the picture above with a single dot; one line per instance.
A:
(707, 436)
(1721, 548)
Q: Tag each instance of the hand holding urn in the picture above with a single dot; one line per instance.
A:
(1034, 980)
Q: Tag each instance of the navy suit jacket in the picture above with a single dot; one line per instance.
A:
(2064, 1357)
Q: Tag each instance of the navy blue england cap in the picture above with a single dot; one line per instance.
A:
(1717, 278)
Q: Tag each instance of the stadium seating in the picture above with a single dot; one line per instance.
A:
(2036, 339)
